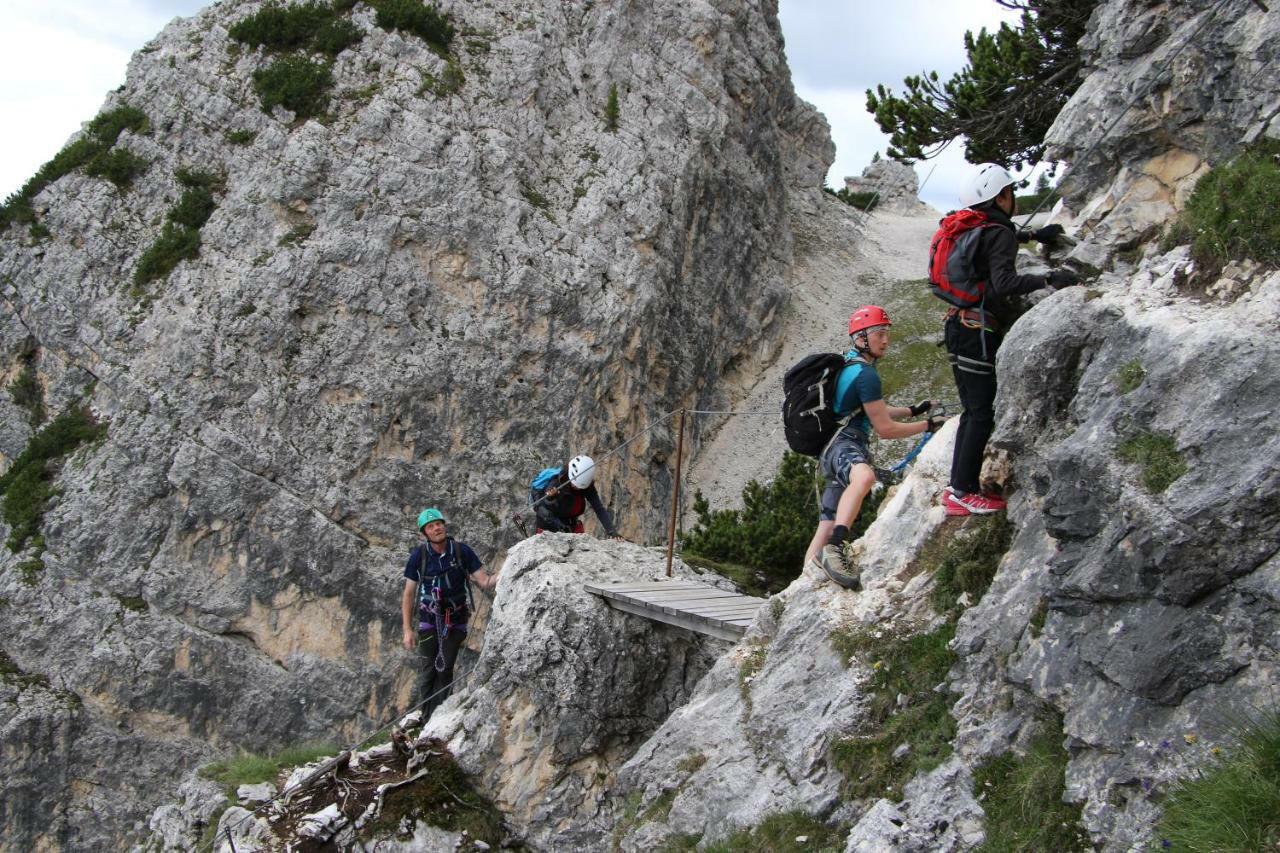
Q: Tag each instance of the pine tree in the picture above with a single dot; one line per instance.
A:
(611, 110)
(1004, 101)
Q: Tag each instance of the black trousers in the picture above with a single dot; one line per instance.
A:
(973, 364)
(431, 680)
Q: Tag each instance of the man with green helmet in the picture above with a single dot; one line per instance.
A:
(436, 577)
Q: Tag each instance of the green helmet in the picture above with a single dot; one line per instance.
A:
(429, 515)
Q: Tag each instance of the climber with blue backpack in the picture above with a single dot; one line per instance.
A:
(971, 268)
(849, 404)
(559, 498)
(436, 605)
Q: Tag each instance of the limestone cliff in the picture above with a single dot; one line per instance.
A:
(1170, 89)
(467, 265)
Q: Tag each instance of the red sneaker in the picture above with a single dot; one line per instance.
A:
(951, 505)
(977, 504)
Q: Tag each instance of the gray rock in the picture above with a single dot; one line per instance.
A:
(1201, 82)
(895, 184)
(253, 795)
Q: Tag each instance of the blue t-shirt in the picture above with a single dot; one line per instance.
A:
(448, 570)
(857, 385)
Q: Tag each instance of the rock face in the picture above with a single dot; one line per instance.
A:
(1162, 609)
(567, 688)
(1205, 78)
(420, 299)
(896, 184)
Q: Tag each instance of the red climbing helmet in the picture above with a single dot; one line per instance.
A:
(867, 317)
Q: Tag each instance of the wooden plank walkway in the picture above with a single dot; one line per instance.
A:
(685, 604)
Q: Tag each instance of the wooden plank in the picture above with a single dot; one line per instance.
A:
(689, 595)
(643, 585)
(724, 631)
(720, 607)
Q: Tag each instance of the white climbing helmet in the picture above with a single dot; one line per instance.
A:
(582, 471)
(985, 183)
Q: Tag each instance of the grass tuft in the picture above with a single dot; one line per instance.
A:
(901, 666)
(250, 769)
(780, 833)
(1158, 455)
(1231, 213)
(968, 564)
(1232, 805)
(240, 137)
(1022, 798)
(1130, 376)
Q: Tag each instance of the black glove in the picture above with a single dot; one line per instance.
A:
(935, 423)
(920, 408)
(1060, 278)
(1048, 234)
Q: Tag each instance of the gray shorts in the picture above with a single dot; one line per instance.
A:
(848, 449)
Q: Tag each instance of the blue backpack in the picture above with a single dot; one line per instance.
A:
(544, 478)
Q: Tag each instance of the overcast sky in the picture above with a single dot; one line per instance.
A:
(59, 58)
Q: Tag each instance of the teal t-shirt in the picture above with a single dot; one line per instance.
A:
(857, 385)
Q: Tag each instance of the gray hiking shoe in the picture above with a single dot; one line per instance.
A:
(837, 567)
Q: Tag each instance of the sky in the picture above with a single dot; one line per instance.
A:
(60, 58)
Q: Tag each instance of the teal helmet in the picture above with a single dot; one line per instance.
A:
(429, 515)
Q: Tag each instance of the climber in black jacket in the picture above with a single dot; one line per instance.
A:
(973, 335)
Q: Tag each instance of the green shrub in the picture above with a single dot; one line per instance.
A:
(866, 202)
(1022, 797)
(1158, 455)
(612, 110)
(107, 127)
(413, 16)
(175, 243)
(910, 666)
(1232, 805)
(295, 83)
(100, 135)
(968, 563)
(27, 393)
(26, 485)
(450, 82)
(118, 166)
(1130, 376)
(771, 533)
(306, 26)
(193, 209)
(240, 137)
(1232, 212)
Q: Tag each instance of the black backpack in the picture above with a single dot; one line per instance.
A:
(808, 420)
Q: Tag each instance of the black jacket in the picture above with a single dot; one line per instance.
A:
(558, 514)
(994, 262)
